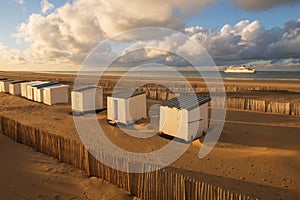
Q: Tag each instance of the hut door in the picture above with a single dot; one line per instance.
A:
(116, 109)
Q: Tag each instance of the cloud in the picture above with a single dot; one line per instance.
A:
(20, 1)
(71, 31)
(257, 5)
(46, 6)
(245, 42)
(10, 56)
(248, 40)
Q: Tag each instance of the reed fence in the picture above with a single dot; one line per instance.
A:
(265, 106)
(158, 184)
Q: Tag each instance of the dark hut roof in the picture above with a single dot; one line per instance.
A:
(127, 94)
(16, 82)
(45, 84)
(7, 80)
(90, 87)
(187, 102)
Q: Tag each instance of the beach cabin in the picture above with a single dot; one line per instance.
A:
(56, 94)
(4, 85)
(86, 99)
(37, 90)
(15, 87)
(25, 85)
(184, 117)
(126, 107)
(30, 93)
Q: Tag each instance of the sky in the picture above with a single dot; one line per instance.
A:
(45, 35)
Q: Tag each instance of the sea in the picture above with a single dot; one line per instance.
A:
(259, 75)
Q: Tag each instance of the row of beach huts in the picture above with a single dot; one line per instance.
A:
(46, 92)
(178, 117)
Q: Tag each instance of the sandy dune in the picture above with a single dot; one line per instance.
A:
(27, 174)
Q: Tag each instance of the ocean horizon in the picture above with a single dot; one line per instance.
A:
(259, 75)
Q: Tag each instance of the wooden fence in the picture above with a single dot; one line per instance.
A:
(161, 93)
(274, 107)
(180, 87)
(159, 184)
(285, 108)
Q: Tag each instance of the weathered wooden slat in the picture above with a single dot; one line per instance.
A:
(159, 184)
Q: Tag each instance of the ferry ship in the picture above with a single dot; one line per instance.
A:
(242, 69)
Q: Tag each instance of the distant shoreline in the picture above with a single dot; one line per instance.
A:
(259, 75)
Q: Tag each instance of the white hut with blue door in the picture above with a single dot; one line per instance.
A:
(126, 107)
(184, 117)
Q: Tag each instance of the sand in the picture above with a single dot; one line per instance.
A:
(27, 174)
(258, 154)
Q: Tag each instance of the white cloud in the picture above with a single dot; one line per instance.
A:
(250, 40)
(46, 6)
(10, 56)
(20, 1)
(71, 31)
(242, 43)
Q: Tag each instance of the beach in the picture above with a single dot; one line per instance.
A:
(27, 174)
(257, 154)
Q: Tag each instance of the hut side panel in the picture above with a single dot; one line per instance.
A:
(136, 107)
(15, 89)
(170, 121)
(4, 86)
(126, 109)
(198, 121)
(87, 100)
(54, 95)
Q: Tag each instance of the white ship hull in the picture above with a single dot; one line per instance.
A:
(240, 70)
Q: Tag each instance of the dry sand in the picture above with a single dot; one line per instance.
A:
(257, 154)
(27, 174)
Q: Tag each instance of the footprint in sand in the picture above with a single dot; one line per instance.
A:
(285, 186)
(49, 169)
(57, 197)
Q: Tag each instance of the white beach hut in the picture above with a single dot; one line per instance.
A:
(184, 117)
(126, 107)
(15, 87)
(56, 94)
(30, 94)
(24, 87)
(4, 85)
(37, 90)
(86, 99)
